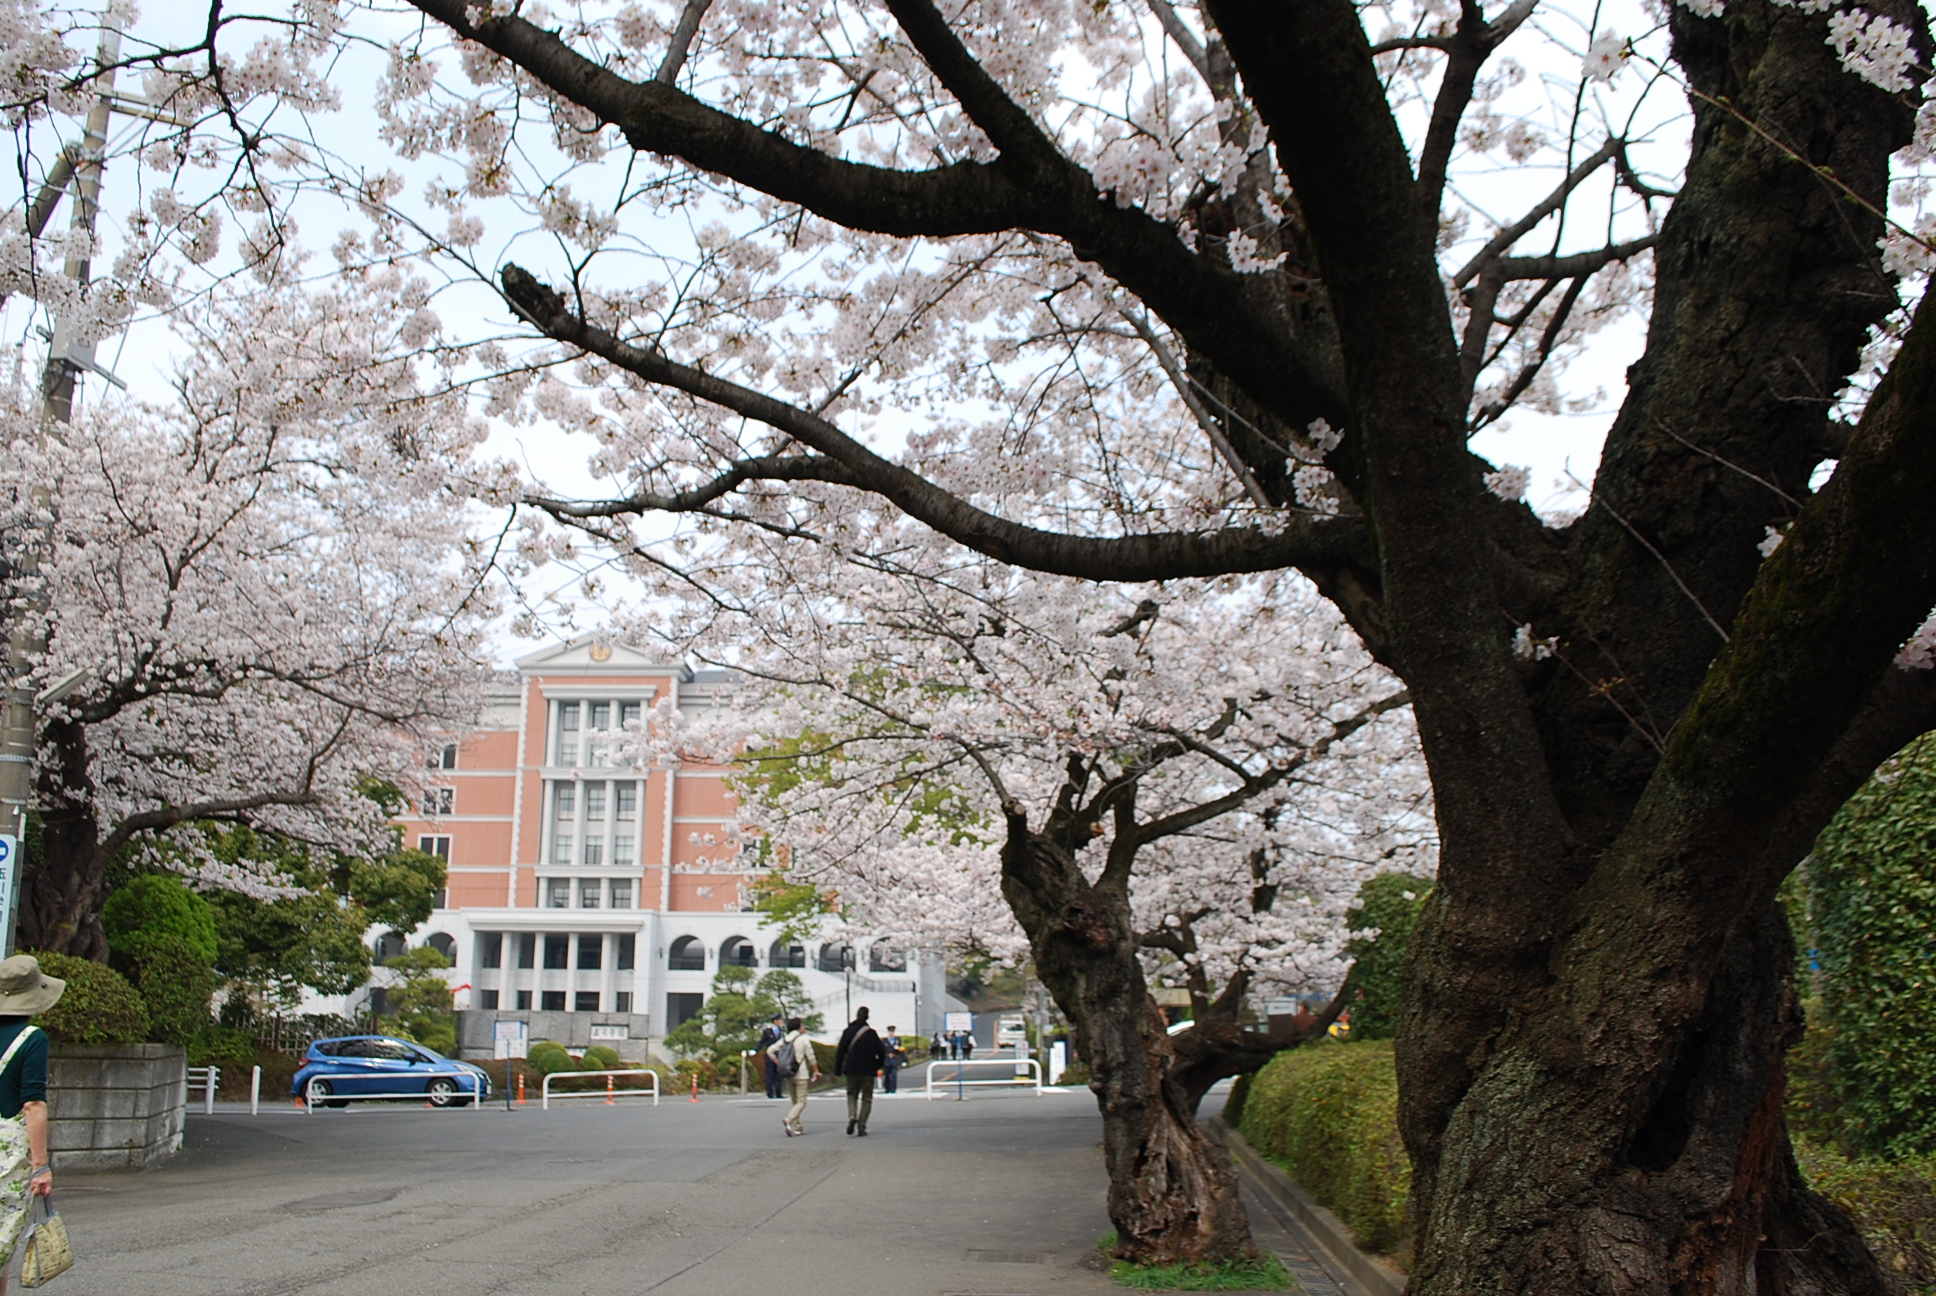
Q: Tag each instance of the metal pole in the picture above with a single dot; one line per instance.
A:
(27, 643)
(255, 1091)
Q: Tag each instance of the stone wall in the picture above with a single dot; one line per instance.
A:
(115, 1106)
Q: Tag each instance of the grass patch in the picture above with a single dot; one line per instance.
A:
(1266, 1273)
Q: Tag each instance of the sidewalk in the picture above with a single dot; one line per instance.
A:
(999, 1194)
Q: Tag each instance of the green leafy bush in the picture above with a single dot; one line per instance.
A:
(100, 1007)
(551, 1058)
(1870, 900)
(1328, 1114)
(601, 1058)
(176, 984)
(1381, 925)
(157, 908)
(1893, 1203)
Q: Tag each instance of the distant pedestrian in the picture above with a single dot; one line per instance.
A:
(792, 1056)
(773, 1033)
(857, 1057)
(24, 1169)
(937, 1046)
(967, 1046)
(892, 1060)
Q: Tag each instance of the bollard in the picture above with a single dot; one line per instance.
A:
(695, 1086)
(520, 1088)
(255, 1091)
(609, 1101)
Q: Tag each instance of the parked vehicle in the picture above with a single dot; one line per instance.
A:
(1011, 1028)
(366, 1065)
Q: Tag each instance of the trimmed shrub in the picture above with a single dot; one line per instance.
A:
(1328, 1114)
(1381, 925)
(176, 985)
(1893, 1203)
(100, 1007)
(155, 908)
(600, 1057)
(550, 1058)
(1233, 1106)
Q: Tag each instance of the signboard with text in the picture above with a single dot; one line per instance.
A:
(957, 1021)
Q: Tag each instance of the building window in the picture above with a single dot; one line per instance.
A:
(489, 999)
(628, 713)
(564, 800)
(443, 944)
(622, 856)
(738, 952)
(438, 846)
(601, 715)
(552, 1000)
(444, 757)
(559, 894)
(594, 800)
(568, 733)
(682, 1008)
(388, 946)
(834, 958)
(621, 894)
(527, 950)
(628, 800)
(557, 951)
(622, 1001)
(440, 898)
(490, 949)
(882, 959)
(626, 954)
(594, 851)
(524, 1001)
(588, 894)
(561, 849)
(587, 1001)
(783, 955)
(688, 955)
(439, 801)
(591, 953)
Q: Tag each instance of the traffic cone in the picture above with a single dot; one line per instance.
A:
(695, 1086)
(609, 1102)
(520, 1088)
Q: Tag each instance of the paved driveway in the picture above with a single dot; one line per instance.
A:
(1000, 1194)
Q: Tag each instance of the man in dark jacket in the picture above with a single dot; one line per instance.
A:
(773, 1034)
(858, 1056)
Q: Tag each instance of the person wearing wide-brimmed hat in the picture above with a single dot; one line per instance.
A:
(24, 1170)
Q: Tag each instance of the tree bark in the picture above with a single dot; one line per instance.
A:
(1173, 1192)
(63, 883)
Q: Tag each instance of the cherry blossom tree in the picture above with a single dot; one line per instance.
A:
(1183, 784)
(1156, 292)
(270, 593)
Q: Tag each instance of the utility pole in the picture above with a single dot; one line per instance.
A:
(27, 643)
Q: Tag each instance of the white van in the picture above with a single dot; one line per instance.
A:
(1011, 1028)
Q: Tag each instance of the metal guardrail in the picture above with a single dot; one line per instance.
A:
(208, 1077)
(474, 1098)
(544, 1097)
(1021, 1071)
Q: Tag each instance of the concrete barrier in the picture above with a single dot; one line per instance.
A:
(115, 1106)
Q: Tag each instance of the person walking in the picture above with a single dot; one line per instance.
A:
(24, 1167)
(792, 1057)
(892, 1059)
(858, 1057)
(773, 1033)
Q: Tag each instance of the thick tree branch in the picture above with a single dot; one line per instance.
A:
(1575, 264)
(1151, 556)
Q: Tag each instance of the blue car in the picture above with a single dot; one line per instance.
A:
(335, 1070)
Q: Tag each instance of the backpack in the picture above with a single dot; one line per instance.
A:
(784, 1060)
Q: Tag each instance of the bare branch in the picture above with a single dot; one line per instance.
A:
(682, 38)
(1186, 40)
(1511, 234)
(1184, 388)
(1576, 264)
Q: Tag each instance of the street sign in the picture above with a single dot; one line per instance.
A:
(510, 1039)
(958, 1021)
(9, 853)
(610, 1033)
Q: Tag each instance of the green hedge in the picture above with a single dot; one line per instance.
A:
(1893, 1203)
(1328, 1114)
(99, 1007)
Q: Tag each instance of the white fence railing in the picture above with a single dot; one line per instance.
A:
(319, 1091)
(207, 1077)
(951, 1073)
(608, 1092)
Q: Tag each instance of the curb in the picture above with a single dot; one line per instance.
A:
(1376, 1276)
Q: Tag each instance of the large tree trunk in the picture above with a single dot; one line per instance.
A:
(1173, 1192)
(63, 885)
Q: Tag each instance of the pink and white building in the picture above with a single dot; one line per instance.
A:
(597, 902)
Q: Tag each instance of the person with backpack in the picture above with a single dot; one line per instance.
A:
(772, 1034)
(24, 1168)
(858, 1057)
(792, 1058)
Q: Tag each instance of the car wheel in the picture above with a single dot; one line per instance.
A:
(442, 1091)
(322, 1091)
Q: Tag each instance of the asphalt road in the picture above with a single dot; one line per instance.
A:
(999, 1194)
